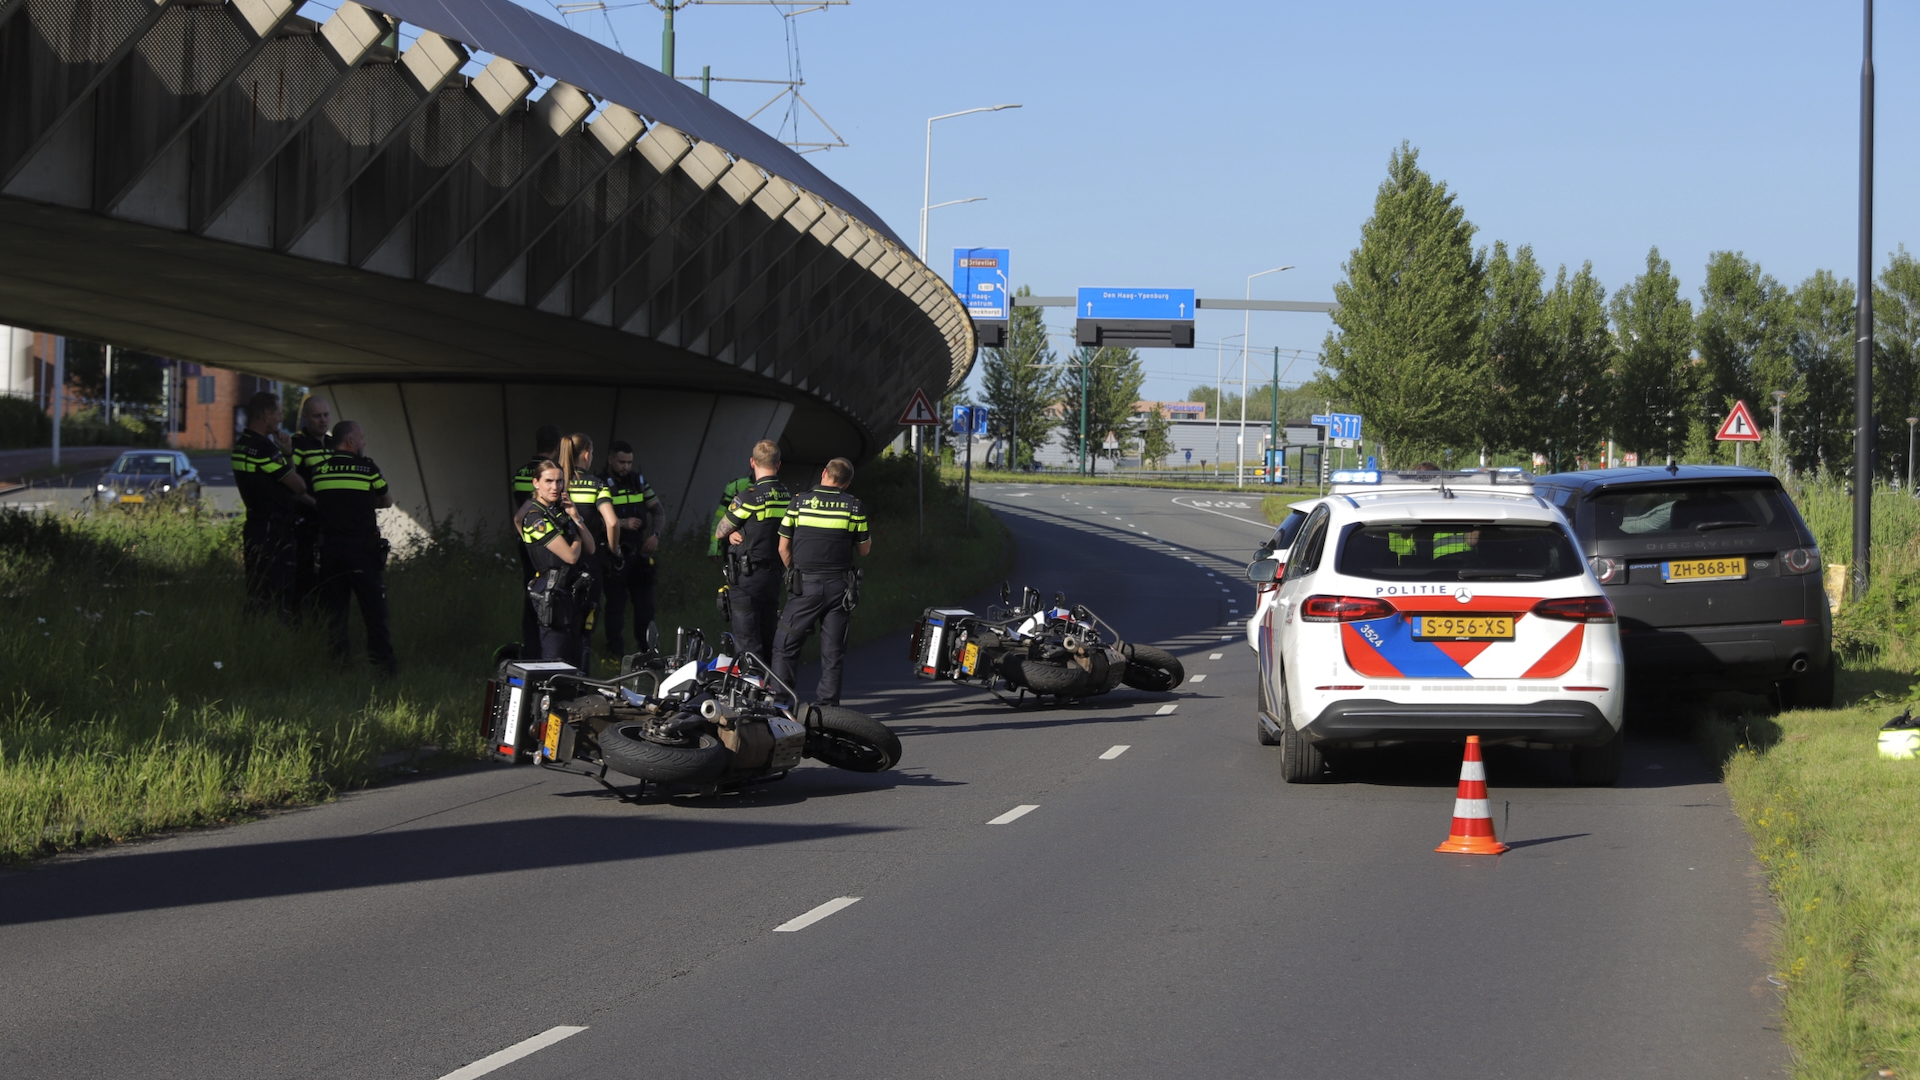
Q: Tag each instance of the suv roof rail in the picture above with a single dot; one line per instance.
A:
(1515, 480)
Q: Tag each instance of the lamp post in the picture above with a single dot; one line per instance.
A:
(1219, 376)
(1246, 327)
(1911, 421)
(926, 187)
(1779, 400)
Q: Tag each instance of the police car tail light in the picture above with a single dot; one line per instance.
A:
(1576, 609)
(1344, 609)
(1607, 571)
(1800, 560)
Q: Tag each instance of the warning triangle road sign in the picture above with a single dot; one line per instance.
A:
(1739, 425)
(919, 412)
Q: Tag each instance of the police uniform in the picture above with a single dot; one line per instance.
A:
(754, 582)
(589, 493)
(826, 526)
(521, 487)
(632, 576)
(563, 632)
(717, 548)
(353, 557)
(267, 539)
(308, 451)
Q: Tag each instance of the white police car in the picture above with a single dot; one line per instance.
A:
(1433, 606)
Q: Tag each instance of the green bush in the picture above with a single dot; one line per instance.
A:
(23, 424)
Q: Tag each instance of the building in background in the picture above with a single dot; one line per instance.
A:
(1173, 410)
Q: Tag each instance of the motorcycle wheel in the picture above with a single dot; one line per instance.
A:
(625, 751)
(1150, 668)
(850, 740)
(1041, 677)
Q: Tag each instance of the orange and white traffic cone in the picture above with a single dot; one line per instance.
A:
(1472, 832)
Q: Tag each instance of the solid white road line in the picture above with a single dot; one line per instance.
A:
(1216, 656)
(814, 916)
(513, 1053)
(1015, 814)
(1167, 710)
(1115, 752)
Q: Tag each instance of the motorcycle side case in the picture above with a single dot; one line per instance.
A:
(520, 708)
(934, 659)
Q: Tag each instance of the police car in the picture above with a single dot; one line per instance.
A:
(1430, 607)
(1277, 547)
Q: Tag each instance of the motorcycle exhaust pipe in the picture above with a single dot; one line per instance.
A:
(711, 710)
(1799, 665)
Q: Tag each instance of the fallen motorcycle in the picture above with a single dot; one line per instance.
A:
(691, 723)
(1064, 651)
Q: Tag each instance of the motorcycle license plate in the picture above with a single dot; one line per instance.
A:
(552, 741)
(1704, 569)
(970, 658)
(1465, 627)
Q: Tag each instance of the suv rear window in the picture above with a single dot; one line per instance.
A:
(1687, 510)
(1459, 552)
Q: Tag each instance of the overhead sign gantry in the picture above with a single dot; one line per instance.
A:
(1134, 318)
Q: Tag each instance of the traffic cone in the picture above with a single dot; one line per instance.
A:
(1472, 832)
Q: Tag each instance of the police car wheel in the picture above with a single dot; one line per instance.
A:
(1599, 766)
(1153, 669)
(625, 751)
(1300, 761)
(850, 740)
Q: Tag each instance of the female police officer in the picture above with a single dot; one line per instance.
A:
(559, 549)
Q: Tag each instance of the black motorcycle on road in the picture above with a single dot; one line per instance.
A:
(1064, 651)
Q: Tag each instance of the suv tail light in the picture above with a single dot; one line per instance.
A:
(1576, 609)
(1343, 609)
(1800, 560)
(1607, 571)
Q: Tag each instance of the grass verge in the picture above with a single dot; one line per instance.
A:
(138, 699)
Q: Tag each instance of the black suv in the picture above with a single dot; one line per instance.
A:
(1714, 576)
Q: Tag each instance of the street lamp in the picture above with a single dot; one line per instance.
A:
(1911, 421)
(1779, 399)
(1246, 325)
(1219, 404)
(926, 187)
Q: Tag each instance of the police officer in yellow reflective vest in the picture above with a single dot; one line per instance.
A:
(309, 446)
(822, 532)
(591, 495)
(546, 447)
(347, 489)
(750, 528)
(640, 515)
(271, 490)
(551, 530)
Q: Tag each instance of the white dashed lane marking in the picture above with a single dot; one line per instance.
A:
(1216, 656)
(802, 922)
(1114, 753)
(1015, 814)
(1196, 678)
(1167, 710)
(513, 1053)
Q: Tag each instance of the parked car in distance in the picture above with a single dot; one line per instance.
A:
(1715, 577)
(147, 476)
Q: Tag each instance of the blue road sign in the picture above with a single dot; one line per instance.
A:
(1135, 304)
(1189, 457)
(970, 416)
(980, 277)
(1340, 425)
(980, 416)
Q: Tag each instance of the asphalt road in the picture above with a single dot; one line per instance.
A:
(1167, 909)
(71, 491)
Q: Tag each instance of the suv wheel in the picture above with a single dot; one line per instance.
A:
(1599, 766)
(1300, 760)
(1814, 690)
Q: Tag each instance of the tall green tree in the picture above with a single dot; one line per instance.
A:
(1402, 350)
(1819, 408)
(1896, 358)
(1655, 381)
(1155, 431)
(1512, 411)
(1743, 330)
(1577, 350)
(1109, 379)
(1019, 383)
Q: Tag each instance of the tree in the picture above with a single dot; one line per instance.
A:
(1655, 380)
(1577, 349)
(1156, 437)
(1111, 378)
(1896, 357)
(1743, 330)
(1819, 406)
(1511, 413)
(1019, 383)
(1403, 345)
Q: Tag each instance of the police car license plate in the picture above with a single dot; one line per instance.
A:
(1704, 569)
(133, 498)
(970, 658)
(1464, 627)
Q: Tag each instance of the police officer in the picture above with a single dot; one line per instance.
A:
(271, 491)
(307, 447)
(751, 530)
(641, 516)
(819, 536)
(347, 489)
(546, 447)
(558, 546)
(594, 499)
(727, 495)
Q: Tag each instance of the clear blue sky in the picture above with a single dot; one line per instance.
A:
(1194, 144)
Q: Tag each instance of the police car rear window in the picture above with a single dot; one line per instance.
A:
(1459, 552)
(1690, 510)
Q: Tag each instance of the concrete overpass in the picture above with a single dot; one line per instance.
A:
(465, 221)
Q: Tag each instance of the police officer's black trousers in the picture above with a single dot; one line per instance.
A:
(567, 644)
(306, 566)
(631, 584)
(755, 599)
(352, 568)
(821, 600)
(268, 549)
